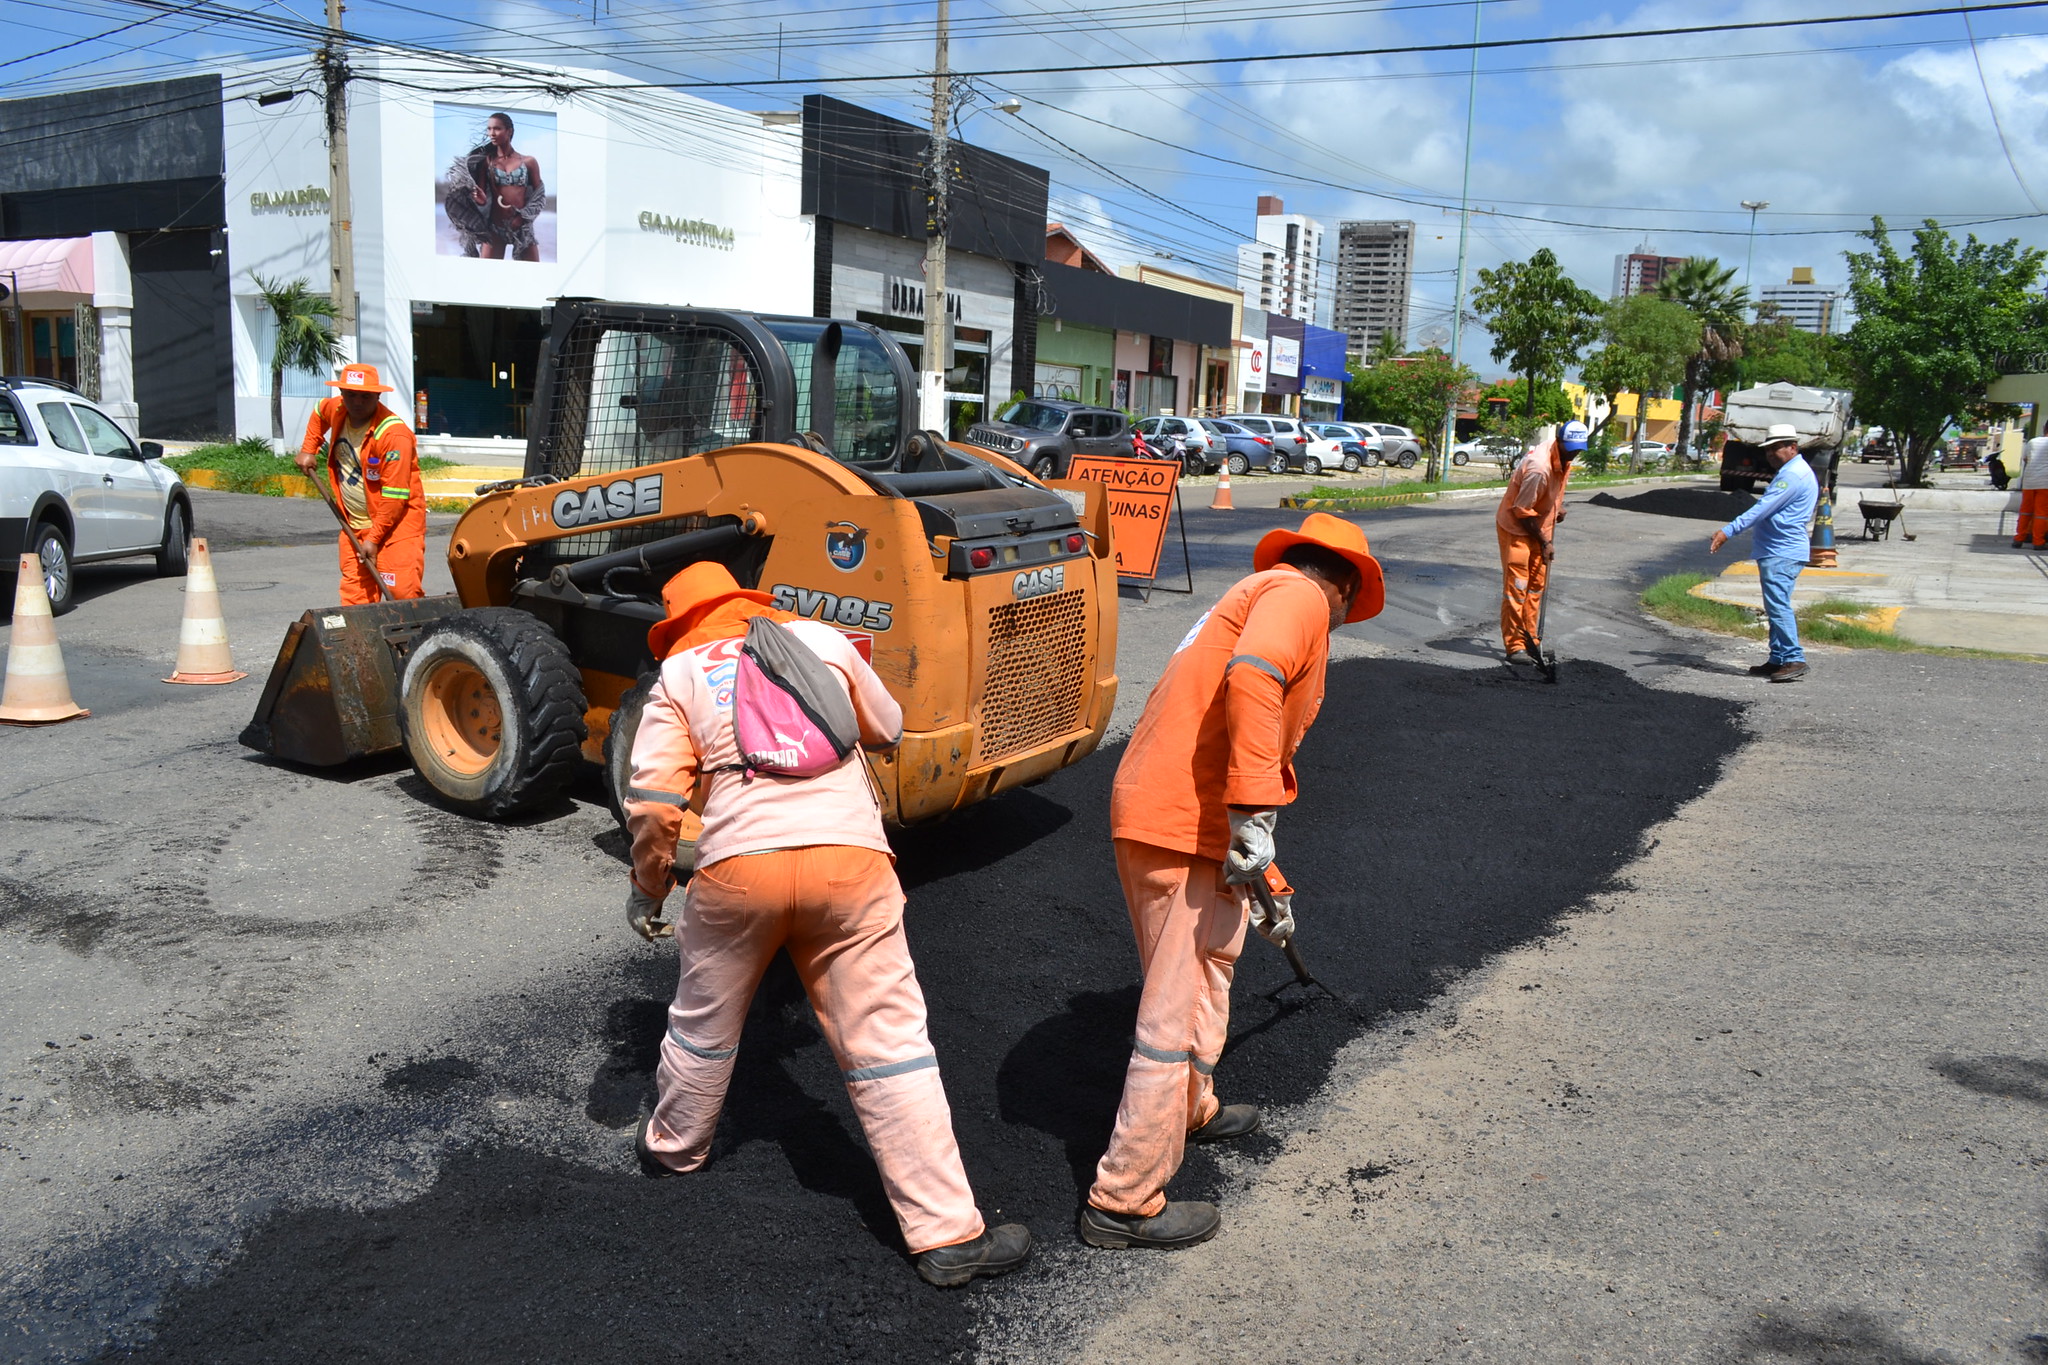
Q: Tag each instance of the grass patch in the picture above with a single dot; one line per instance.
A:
(1670, 599)
(248, 466)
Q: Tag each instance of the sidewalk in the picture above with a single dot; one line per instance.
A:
(1959, 583)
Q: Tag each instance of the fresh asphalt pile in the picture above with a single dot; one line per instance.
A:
(1445, 814)
(1696, 503)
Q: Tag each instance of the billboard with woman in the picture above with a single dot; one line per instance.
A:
(490, 193)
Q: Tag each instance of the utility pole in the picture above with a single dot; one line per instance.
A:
(1442, 471)
(932, 379)
(341, 245)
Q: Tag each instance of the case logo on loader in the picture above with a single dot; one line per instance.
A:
(849, 613)
(1039, 582)
(846, 545)
(614, 501)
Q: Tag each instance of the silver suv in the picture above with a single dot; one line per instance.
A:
(76, 489)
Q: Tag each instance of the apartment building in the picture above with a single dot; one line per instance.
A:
(1640, 271)
(1284, 271)
(1811, 307)
(1375, 270)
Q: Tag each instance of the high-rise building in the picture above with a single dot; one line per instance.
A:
(1283, 271)
(1640, 271)
(1375, 269)
(1811, 307)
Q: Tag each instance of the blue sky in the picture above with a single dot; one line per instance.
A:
(1588, 148)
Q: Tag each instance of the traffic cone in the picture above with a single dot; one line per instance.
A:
(37, 692)
(203, 655)
(1221, 502)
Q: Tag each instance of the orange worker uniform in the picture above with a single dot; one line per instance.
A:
(374, 470)
(2032, 525)
(1219, 730)
(1535, 489)
(785, 863)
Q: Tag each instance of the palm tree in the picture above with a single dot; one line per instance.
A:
(1708, 292)
(305, 341)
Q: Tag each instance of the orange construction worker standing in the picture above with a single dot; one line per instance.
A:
(373, 465)
(796, 863)
(1529, 512)
(1192, 815)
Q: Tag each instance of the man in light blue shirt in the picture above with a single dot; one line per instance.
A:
(1780, 517)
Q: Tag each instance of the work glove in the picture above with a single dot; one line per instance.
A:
(1251, 846)
(1275, 930)
(643, 912)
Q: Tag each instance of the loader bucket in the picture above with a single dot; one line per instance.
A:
(333, 693)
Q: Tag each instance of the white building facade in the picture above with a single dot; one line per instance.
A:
(1285, 271)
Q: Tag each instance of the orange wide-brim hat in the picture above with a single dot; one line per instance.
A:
(359, 379)
(1343, 537)
(691, 597)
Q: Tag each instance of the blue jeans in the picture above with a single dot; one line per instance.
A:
(1778, 576)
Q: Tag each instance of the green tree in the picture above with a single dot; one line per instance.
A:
(305, 340)
(1539, 317)
(1776, 352)
(1649, 341)
(1507, 406)
(1717, 304)
(1415, 391)
(1932, 326)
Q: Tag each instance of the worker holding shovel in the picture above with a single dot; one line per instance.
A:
(1192, 815)
(373, 474)
(1525, 525)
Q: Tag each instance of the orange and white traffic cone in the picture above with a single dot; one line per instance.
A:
(203, 655)
(36, 692)
(1221, 502)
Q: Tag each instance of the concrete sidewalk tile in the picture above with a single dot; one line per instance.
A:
(2004, 631)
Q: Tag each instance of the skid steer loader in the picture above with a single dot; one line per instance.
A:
(659, 437)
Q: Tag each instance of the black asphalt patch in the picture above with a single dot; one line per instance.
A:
(1446, 814)
(1696, 503)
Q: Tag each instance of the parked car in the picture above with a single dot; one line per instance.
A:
(1399, 445)
(1494, 448)
(1356, 447)
(77, 489)
(1316, 454)
(1288, 436)
(1043, 433)
(1243, 451)
(1645, 452)
(1195, 440)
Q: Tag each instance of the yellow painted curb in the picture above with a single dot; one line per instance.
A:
(273, 485)
(1747, 569)
(1882, 619)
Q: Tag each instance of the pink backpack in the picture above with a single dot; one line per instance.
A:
(791, 713)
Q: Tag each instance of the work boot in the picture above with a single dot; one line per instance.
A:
(1231, 1121)
(651, 1165)
(1177, 1225)
(1789, 673)
(1522, 656)
(1764, 669)
(998, 1251)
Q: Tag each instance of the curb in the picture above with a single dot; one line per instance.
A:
(288, 486)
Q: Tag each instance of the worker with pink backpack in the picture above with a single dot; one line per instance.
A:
(765, 713)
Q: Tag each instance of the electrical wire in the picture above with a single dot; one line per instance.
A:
(1997, 124)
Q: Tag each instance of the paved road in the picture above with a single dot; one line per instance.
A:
(299, 1065)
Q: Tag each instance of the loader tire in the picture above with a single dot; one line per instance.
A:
(618, 744)
(492, 709)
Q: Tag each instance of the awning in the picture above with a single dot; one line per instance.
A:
(60, 265)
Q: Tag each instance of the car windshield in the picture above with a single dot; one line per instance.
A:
(1036, 416)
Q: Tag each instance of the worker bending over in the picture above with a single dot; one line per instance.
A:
(373, 466)
(798, 863)
(1192, 816)
(1525, 524)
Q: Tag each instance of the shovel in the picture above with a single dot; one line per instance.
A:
(319, 482)
(1302, 975)
(1546, 657)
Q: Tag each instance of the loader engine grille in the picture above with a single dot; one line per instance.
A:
(1037, 673)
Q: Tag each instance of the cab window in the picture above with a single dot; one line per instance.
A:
(63, 429)
(867, 398)
(102, 435)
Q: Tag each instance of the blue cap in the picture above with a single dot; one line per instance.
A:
(1573, 434)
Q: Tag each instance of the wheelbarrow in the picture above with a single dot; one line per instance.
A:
(1878, 518)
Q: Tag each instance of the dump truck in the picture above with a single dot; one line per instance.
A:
(1820, 415)
(781, 447)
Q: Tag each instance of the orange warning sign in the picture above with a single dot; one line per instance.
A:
(1141, 494)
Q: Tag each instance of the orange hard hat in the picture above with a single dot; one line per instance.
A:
(691, 596)
(359, 379)
(1341, 537)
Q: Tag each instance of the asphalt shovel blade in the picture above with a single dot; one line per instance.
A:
(1302, 976)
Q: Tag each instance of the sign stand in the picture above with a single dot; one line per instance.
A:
(1186, 562)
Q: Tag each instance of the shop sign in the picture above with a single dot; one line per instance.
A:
(688, 231)
(904, 298)
(1286, 357)
(309, 202)
(1255, 367)
(1321, 388)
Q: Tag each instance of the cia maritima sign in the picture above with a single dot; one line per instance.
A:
(1141, 496)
